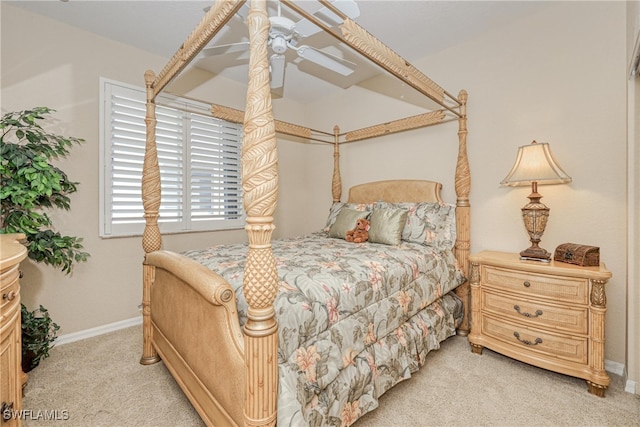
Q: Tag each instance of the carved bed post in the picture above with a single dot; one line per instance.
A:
(260, 187)
(151, 238)
(336, 182)
(463, 208)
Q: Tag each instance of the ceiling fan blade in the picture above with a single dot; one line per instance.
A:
(277, 65)
(332, 62)
(225, 48)
(305, 28)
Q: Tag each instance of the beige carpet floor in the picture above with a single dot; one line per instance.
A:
(99, 382)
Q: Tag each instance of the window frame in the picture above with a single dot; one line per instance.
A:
(184, 220)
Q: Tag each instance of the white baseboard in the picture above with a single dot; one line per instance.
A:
(621, 370)
(94, 332)
(615, 367)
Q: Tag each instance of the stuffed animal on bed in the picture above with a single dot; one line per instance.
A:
(359, 234)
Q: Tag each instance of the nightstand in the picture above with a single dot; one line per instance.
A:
(550, 315)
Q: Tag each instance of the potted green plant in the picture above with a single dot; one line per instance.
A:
(29, 185)
(39, 331)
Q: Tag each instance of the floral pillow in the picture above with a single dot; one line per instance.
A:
(430, 224)
(338, 206)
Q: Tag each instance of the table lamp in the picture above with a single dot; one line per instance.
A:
(535, 165)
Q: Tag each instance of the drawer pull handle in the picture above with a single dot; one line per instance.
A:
(527, 342)
(527, 284)
(10, 296)
(525, 314)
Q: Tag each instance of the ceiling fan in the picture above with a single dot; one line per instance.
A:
(285, 34)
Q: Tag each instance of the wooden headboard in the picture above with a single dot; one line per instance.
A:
(396, 191)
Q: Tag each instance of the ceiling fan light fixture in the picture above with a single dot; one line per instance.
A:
(279, 44)
(285, 34)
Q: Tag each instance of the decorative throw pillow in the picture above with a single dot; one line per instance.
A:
(346, 220)
(337, 207)
(387, 225)
(430, 224)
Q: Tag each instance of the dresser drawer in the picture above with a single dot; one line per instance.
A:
(570, 348)
(554, 288)
(536, 313)
(8, 277)
(10, 290)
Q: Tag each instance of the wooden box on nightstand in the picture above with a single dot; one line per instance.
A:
(549, 315)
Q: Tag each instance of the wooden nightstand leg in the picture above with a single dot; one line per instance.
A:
(476, 326)
(599, 379)
(596, 389)
(475, 348)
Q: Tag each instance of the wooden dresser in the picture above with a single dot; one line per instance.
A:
(550, 315)
(11, 253)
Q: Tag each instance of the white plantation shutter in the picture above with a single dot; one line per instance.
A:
(170, 144)
(199, 159)
(215, 169)
(127, 154)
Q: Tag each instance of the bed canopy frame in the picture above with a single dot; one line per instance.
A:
(258, 340)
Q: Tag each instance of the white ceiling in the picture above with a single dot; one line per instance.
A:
(414, 29)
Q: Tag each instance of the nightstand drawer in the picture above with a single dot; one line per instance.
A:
(573, 349)
(536, 313)
(554, 288)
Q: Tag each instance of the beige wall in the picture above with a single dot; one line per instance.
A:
(556, 76)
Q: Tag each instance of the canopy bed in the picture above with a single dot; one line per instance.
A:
(271, 337)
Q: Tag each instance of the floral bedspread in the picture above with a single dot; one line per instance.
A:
(336, 299)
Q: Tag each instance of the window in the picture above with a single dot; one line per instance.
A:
(199, 158)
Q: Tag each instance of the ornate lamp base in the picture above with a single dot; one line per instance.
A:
(535, 254)
(535, 215)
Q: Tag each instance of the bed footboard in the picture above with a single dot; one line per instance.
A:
(195, 330)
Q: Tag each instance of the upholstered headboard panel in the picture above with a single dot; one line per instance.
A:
(395, 191)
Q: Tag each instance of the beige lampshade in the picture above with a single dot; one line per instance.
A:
(535, 163)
